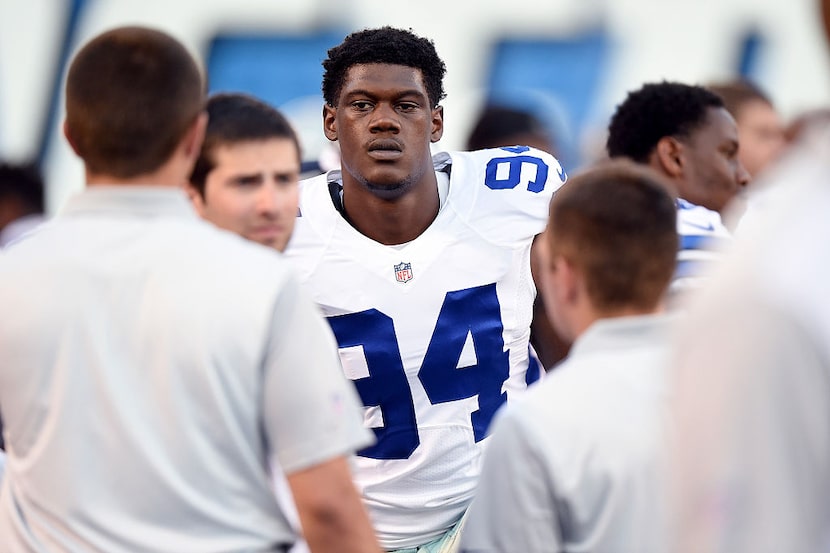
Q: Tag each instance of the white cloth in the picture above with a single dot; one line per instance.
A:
(19, 228)
(433, 332)
(152, 365)
(576, 465)
(703, 241)
(752, 460)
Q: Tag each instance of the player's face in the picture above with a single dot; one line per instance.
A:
(761, 134)
(713, 173)
(253, 190)
(384, 123)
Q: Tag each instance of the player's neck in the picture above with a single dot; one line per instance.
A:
(396, 221)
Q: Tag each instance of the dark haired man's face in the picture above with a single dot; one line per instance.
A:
(384, 123)
(713, 174)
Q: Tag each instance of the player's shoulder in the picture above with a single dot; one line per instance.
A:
(696, 219)
(505, 191)
(700, 228)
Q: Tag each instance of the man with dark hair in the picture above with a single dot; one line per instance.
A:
(245, 178)
(162, 361)
(574, 467)
(685, 133)
(422, 266)
(760, 130)
(21, 202)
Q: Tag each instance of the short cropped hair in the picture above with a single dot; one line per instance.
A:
(617, 223)
(131, 94)
(22, 184)
(384, 45)
(496, 125)
(235, 118)
(735, 94)
(656, 111)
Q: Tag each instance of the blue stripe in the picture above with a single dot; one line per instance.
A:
(693, 267)
(702, 242)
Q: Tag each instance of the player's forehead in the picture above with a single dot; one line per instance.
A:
(383, 79)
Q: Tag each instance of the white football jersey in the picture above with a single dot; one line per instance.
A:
(703, 238)
(434, 333)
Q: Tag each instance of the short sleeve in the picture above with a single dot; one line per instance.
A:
(311, 411)
(505, 193)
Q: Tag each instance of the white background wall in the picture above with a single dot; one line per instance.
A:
(687, 40)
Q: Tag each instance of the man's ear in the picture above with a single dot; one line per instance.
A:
(566, 279)
(437, 124)
(195, 135)
(196, 199)
(67, 132)
(669, 154)
(330, 122)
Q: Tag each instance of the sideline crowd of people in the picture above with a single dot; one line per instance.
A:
(419, 351)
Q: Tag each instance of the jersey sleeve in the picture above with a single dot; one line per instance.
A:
(312, 412)
(505, 193)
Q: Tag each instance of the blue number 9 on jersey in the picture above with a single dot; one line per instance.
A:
(495, 179)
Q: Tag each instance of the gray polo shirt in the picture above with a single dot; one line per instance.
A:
(153, 366)
(576, 466)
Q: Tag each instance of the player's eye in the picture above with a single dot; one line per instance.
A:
(362, 105)
(407, 107)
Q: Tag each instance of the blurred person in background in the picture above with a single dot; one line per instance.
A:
(21, 202)
(162, 361)
(760, 128)
(576, 466)
(751, 464)
(685, 133)
(761, 134)
(246, 176)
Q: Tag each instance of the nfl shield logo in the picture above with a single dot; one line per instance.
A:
(403, 272)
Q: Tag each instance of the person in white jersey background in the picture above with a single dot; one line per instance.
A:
(576, 465)
(685, 133)
(422, 266)
(162, 361)
(246, 176)
(751, 466)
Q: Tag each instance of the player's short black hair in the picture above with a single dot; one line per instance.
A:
(235, 118)
(384, 45)
(655, 111)
(23, 184)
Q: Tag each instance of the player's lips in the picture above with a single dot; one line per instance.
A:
(385, 149)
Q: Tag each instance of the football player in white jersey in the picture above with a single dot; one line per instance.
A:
(422, 266)
(685, 133)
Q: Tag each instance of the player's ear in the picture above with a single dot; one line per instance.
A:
(330, 122)
(669, 156)
(437, 124)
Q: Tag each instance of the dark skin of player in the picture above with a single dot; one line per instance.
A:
(384, 122)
